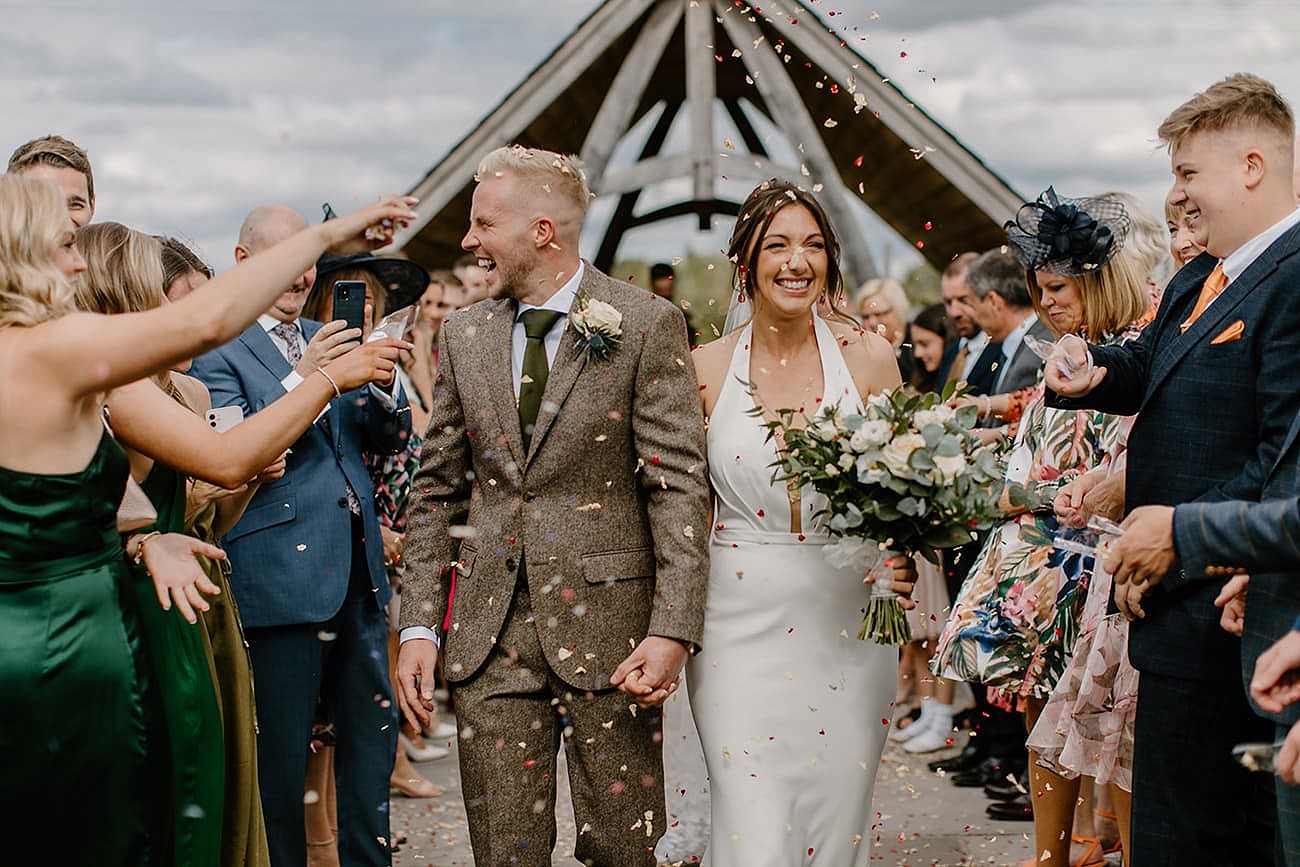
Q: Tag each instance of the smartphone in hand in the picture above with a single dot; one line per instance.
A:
(350, 302)
(223, 418)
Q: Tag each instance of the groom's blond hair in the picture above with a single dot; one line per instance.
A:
(559, 178)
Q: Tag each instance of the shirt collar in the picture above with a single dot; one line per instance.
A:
(1244, 256)
(1013, 340)
(976, 344)
(269, 322)
(562, 300)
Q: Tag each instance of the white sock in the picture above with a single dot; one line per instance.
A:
(941, 716)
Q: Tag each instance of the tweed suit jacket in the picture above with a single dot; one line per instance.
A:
(1216, 540)
(1213, 412)
(609, 507)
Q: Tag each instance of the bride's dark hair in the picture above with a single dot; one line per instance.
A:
(756, 217)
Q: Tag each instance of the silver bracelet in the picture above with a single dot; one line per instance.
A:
(335, 385)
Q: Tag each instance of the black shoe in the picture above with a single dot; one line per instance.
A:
(968, 758)
(1017, 810)
(994, 769)
(1006, 790)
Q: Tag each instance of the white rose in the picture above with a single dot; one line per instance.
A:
(923, 418)
(871, 435)
(831, 470)
(846, 462)
(949, 468)
(602, 317)
(896, 453)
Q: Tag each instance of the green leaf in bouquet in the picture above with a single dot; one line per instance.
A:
(968, 416)
(932, 433)
(883, 510)
(949, 391)
(947, 536)
(912, 507)
(921, 460)
(949, 447)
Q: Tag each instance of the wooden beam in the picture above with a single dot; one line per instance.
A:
(754, 167)
(682, 209)
(621, 220)
(642, 174)
(623, 96)
(782, 99)
(701, 88)
(745, 127)
(505, 122)
(950, 158)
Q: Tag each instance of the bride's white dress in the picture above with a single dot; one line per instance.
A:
(792, 709)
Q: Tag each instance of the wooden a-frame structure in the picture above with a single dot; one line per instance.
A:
(855, 134)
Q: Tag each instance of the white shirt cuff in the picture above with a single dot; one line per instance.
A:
(413, 632)
(292, 381)
(386, 400)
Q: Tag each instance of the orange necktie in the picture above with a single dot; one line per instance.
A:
(1213, 288)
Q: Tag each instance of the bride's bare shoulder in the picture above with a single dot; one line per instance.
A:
(712, 360)
(869, 356)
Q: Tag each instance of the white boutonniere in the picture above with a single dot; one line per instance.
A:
(599, 326)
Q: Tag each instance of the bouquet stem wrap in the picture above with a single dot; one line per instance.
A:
(885, 621)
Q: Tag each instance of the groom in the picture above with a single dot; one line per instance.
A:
(562, 512)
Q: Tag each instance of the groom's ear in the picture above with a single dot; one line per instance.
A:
(544, 232)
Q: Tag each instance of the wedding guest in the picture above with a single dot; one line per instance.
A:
(1226, 336)
(1184, 244)
(789, 627)
(63, 478)
(308, 565)
(663, 282)
(55, 159)
(968, 364)
(1013, 626)
(473, 277)
(931, 727)
(882, 307)
(1148, 241)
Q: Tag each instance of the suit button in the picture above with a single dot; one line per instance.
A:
(510, 564)
(343, 502)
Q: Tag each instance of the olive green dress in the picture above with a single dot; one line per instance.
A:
(71, 700)
(188, 697)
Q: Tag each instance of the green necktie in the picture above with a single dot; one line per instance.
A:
(537, 324)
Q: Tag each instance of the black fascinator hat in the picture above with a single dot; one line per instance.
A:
(1066, 236)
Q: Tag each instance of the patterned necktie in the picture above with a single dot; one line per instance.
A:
(958, 364)
(1211, 289)
(537, 324)
(288, 332)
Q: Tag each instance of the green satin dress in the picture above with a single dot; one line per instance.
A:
(191, 714)
(72, 709)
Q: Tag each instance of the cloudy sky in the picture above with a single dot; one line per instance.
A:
(195, 111)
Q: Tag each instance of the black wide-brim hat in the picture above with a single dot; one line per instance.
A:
(405, 280)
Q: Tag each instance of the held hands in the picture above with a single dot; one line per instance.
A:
(1069, 370)
(903, 579)
(375, 362)
(1232, 599)
(1141, 557)
(177, 575)
(393, 545)
(416, 662)
(652, 672)
(1276, 683)
(369, 228)
(1069, 503)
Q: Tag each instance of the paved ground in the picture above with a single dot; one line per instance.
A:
(922, 820)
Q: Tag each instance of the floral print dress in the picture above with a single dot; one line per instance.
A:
(1016, 619)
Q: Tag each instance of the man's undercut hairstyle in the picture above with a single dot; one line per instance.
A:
(1238, 101)
(56, 151)
(552, 173)
(999, 272)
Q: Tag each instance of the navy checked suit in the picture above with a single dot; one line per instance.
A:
(1213, 414)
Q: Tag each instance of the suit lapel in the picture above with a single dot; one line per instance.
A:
(497, 333)
(566, 367)
(259, 343)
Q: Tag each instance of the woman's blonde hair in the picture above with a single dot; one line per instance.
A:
(33, 220)
(890, 290)
(1114, 296)
(124, 272)
(1148, 238)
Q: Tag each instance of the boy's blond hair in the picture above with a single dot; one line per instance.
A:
(1240, 100)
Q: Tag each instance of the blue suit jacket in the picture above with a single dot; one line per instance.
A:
(1215, 540)
(291, 552)
(1212, 418)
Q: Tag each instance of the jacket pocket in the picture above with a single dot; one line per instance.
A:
(281, 510)
(610, 566)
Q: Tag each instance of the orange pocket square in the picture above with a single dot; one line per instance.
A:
(1231, 333)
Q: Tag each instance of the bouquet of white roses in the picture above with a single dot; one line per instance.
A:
(905, 475)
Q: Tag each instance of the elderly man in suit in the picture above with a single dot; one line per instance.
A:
(1004, 310)
(308, 569)
(562, 512)
(1215, 383)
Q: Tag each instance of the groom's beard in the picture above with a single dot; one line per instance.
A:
(513, 279)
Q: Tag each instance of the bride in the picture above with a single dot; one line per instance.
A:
(792, 708)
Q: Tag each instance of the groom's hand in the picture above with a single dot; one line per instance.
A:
(651, 672)
(415, 665)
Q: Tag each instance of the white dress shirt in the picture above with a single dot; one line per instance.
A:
(974, 349)
(1010, 344)
(1244, 256)
(560, 302)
